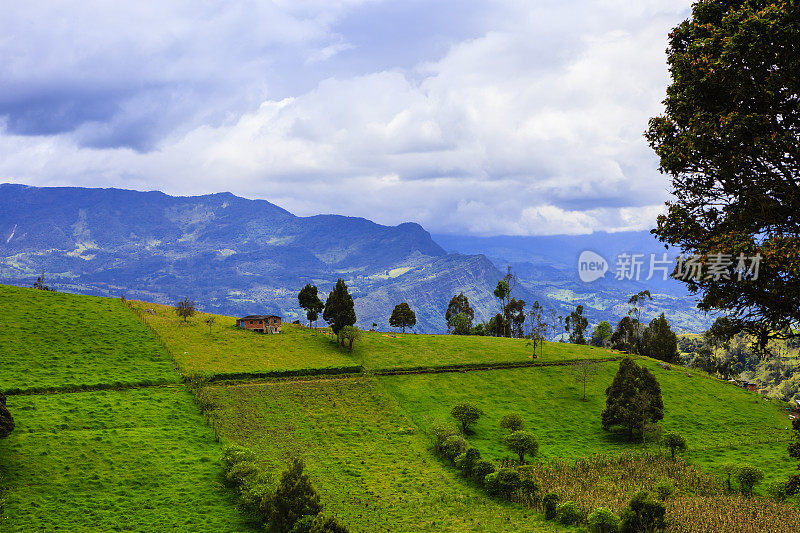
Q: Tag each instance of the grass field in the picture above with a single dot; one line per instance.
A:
(140, 460)
(52, 339)
(227, 349)
(224, 348)
(372, 467)
(709, 413)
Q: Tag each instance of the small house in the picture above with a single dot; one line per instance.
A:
(260, 323)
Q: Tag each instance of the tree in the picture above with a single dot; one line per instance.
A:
(643, 514)
(6, 420)
(728, 140)
(293, 498)
(538, 327)
(522, 443)
(512, 422)
(748, 477)
(466, 414)
(461, 324)
(505, 482)
(349, 334)
(402, 317)
(502, 292)
(575, 325)
(584, 371)
(556, 323)
(459, 304)
(624, 337)
(185, 309)
(39, 284)
(660, 341)
(497, 325)
(633, 399)
(635, 312)
(515, 315)
(210, 322)
(339, 308)
(675, 442)
(601, 335)
(308, 298)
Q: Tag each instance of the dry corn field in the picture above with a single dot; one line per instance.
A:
(699, 503)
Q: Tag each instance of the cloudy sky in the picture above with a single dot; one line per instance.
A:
(481, 117)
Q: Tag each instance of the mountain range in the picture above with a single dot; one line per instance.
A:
(238, 256)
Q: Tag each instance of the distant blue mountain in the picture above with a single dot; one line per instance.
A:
(237, 256)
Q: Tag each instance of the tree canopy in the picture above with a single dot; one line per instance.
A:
(185, 309)
(575, 324)
(730, 141)
(308, 298)
(660, 342)
(402, 317)
(633, 399)
(339, 308)
(459, 304)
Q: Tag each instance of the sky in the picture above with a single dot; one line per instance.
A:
(471, 117)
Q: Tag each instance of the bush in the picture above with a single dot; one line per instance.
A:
(482, 469)
(603, 520)
(777, 491)
(241, 473)
(642, 514)
(254, 496)
(453, 446)
(466, 414)
(466, 461)
(568, 513)
(326, 524)
(675, 442)
(439, 433)
(550, 504)
(512, 422)
(233, 453)
(664, 489)
(294, 497)
(522, 443)
(748, 477)
(505, 482)
(303, 525)
(529, 489)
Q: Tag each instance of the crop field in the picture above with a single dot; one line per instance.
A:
(371, 466)
(57, 340)
(223, 348)
(711, 415)
(138, 459)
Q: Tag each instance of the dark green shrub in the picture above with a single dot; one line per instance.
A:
(777, 491)
(643, 514)
(522, 443)
(675, 442)
(482, 469)
(748, 477)
(529, 489)
(550, 504)
(504, 483)
(568, 513)
(303, 524)
(466, 414)
(664, 489)
(240, 473)
(603, 520)
(467, 460)
(439, 433)
(233, 453)
(326, 524)
(512, 422)
(294, 497)
(453, 446)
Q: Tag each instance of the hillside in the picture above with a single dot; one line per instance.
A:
(139, 454)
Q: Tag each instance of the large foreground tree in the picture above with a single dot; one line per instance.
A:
(730, 141)
(633, 399)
